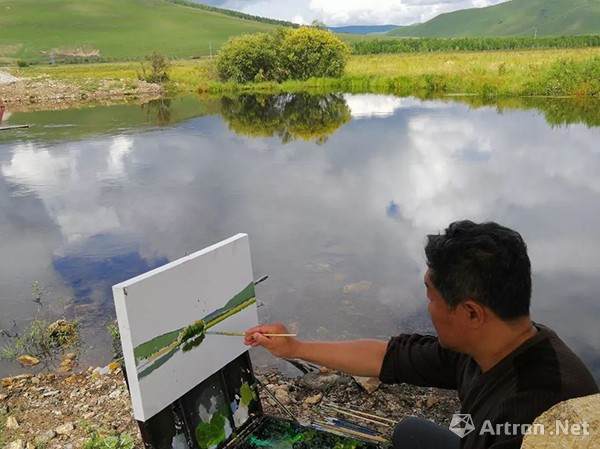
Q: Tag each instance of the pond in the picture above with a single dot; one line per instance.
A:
(337, 193)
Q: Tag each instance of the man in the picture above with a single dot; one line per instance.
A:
(507, 369)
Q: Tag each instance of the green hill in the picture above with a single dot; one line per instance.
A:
(513, 18)
(116, 29)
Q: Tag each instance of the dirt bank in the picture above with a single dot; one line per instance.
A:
(45, 93)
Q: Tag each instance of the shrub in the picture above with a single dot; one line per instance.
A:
(22, 63)
(300, 53)
(251, 57)
(155, 68)
(314, 53)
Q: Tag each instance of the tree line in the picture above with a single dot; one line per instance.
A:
(239, 15)
(430, 44)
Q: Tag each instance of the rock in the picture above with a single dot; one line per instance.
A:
(44, 437)
(358, 287)
(9, 381)
(51, 393)
(322, 382)
(312, 400)
(65, 429)
(370, 384)
(431, 401)
(6, 78)
(11, 423)
(283, 396)
(3, 396)
(29, 446)
(113, 366)
(28, 360)
(70, 356)
(89, 415)
(114, 394)
(573, 412)
(101, 371)
(18, 444)
(62, 329)
(35, 380)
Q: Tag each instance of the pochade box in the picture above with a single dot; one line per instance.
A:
(190, 380)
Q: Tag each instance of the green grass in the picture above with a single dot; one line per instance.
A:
(487, 74)
(552, 72)
(112, 441)
(513, 18)
(117, 29)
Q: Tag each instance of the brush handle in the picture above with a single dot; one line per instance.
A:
(243, 334)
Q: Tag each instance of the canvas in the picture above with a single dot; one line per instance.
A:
(166, 315)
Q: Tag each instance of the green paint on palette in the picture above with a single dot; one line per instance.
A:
(258, 443)
(211, 433)
(281, 434)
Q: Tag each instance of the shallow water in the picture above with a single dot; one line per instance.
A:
(337, 194)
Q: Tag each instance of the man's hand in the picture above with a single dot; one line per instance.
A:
(279, 346)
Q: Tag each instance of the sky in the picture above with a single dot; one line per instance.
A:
(350, 12)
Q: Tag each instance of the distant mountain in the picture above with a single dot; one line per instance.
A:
(513, 18)
(363, 29)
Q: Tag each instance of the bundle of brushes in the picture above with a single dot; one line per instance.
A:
(351, 429)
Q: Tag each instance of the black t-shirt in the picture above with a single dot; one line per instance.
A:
(539, 374)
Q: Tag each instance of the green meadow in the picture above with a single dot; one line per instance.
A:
(32, 30)
(552, 72)
(116, 34)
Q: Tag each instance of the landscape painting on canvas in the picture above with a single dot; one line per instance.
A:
(166, 317)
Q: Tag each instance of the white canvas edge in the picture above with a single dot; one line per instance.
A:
(177, 262)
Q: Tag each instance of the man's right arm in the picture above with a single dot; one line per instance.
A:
(357, 357)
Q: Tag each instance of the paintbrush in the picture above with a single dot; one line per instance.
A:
(360, 415)
(243, 334)
(348, 432)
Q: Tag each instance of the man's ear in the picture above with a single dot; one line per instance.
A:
(473, 313)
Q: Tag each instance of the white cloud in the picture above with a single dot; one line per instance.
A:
(299, 20)
(358, 12)
(337, 12)
(351, 12)
(363, 106)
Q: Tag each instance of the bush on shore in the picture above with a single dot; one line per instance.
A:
(298, 54)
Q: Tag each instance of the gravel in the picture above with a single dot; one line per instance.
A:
(86, 402)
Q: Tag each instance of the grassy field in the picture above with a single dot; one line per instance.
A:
(573, 72)
(112, 29)
(513, 18)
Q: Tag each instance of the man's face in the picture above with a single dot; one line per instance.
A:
(445, 320)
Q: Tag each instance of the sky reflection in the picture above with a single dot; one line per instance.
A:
(318, 213)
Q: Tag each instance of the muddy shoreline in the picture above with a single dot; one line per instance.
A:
(45, 93)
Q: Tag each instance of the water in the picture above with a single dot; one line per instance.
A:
(337, 194)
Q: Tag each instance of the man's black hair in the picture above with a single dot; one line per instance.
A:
(486, 263)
